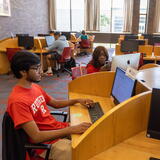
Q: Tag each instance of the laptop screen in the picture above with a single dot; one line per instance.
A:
(123, 86)
(49, 40)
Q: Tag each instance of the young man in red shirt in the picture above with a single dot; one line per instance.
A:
(27, 106)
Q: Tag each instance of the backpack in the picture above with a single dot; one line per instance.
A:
(71, 63)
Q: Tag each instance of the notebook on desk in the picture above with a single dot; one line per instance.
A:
(123, 88)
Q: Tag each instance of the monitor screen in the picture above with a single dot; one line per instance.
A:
(49, 40)
(25, 34)
(129, 46)
(43, 35)
(156, 39)
(130, 37)
(126, 60)
(26, 41)
(141, 42)
(123, 86)
(67, 35)
(77, 34)
(149, 37)
(153, 130)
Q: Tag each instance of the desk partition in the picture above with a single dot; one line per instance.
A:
(119, 122)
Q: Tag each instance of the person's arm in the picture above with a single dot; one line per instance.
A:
(63, 103)
(41, 136)
(52, 47)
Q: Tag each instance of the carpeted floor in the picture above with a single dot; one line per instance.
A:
(54, 86)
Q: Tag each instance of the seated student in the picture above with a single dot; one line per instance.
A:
(55, 50)
(83, 35)
(27, 106)
(99, 61)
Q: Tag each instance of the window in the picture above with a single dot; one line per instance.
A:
(105, 15)
(63, 15)
(111, 15)
(70, 15)
(77, 15)
(143, 16)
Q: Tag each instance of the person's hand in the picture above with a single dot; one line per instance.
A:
(106, 67)
(85, 102)
(82, 127)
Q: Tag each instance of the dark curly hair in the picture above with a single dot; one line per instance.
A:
(22, 61)
(96, 55)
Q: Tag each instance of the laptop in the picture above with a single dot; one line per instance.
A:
(49, 40)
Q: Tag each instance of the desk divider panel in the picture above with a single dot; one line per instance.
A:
(119, 123)
(98, 84)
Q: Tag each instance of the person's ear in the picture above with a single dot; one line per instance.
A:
(23, 73)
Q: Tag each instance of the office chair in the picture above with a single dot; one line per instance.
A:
(64, 62)
(85, 44)
(10, 52)
(149, 65)
(15, 141)
(78, 71)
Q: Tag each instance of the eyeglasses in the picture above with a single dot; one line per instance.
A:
(36, 68)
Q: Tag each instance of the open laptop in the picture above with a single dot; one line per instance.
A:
(49, 40)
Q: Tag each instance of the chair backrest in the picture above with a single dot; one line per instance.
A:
(149, 65)
(13, 140)
(11, 52)
(85, 43)
(78, 71)
(66, 54)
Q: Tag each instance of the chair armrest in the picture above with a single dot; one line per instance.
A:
(47, 147)
(61, 113)
(38, 146)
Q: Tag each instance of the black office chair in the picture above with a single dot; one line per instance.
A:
(15, 141)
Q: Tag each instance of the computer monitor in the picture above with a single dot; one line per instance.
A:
(153, 129)
(141, 42)
(156, 40)
(129, 46)
(130, 37)
(149, 37)
(43, 35)
(126, 60)
(67, 35)
(23, 34)
(49, 40)
(123, 86)
(26, 41)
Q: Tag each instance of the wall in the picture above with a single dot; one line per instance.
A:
(27, 16)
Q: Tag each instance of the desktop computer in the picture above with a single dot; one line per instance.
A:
(125, 61)
(26, 41)
(123, 86)
(129, 46)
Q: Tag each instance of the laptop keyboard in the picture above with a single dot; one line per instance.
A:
(95, 111)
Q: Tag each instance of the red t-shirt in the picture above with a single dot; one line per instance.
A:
(30, 104)
(92, 69)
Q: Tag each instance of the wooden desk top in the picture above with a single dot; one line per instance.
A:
(150, 76)
(138, 147)
(79, 113)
